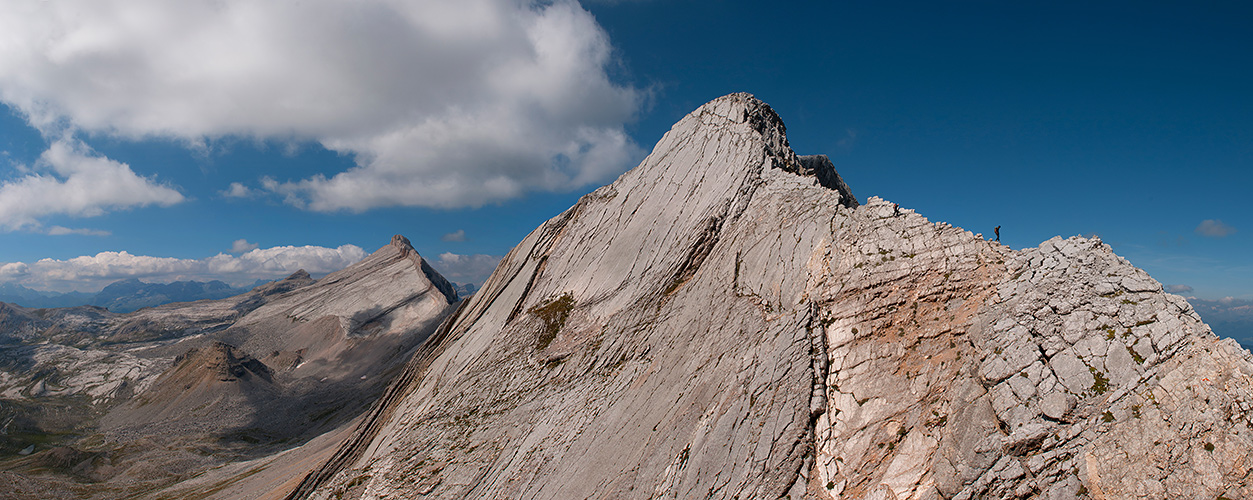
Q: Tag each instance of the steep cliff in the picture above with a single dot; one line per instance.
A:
(726, 321)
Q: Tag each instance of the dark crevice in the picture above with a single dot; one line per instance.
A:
(696, 256)
(517, 308)
(819, 366)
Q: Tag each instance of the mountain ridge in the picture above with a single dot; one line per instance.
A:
(122, 296)
(720, 321)
(725, 320)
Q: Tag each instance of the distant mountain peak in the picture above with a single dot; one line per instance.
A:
(401, 244)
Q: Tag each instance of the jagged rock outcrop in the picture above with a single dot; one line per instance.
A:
(726, 321)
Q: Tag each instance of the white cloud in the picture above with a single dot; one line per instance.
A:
(458, 235)
(61, 230)
(92, 272)
(441, 104)
(1214, 228)
(466, 268)
(241, 245)
(69, 179)
(12, 270)
(1178, 289)
(238, 190)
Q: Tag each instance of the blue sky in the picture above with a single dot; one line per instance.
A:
(314, 131)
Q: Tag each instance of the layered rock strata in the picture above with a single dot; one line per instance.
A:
(726, 321)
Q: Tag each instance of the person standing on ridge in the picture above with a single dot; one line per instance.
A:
(998, 233)
(896, 210)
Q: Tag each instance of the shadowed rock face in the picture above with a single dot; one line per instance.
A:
(727, 321)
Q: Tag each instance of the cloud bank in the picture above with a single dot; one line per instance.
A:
(93, 272)
(441, 104)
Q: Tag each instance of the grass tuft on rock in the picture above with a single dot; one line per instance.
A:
(554, 314)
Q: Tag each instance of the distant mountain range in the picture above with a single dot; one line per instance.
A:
(1228, 318)
(465, 289)
(122, 296)
(132, 294)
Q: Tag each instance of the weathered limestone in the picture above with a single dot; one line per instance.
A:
(726, 321)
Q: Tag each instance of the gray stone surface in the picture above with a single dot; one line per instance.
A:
(724, 321)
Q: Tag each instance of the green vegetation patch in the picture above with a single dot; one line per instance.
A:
(1100, 384)
(554, 315)
(1135, 355)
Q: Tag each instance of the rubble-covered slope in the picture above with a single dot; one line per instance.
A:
(726, 321)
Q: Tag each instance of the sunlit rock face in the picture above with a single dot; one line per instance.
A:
(727, 321)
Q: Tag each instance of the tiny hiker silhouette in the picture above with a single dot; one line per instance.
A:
(896, 210)
(998, 233)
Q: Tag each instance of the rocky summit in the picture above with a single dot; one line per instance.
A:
(727, 321)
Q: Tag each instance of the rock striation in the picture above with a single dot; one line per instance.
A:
(727, 321)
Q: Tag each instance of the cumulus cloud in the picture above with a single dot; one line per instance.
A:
(242, 245)
(1178, 289)
(458, 235)
(441, 104)
(237, 190)
(70, 179)
(92, 272)
(466, 268)
(1214, 228)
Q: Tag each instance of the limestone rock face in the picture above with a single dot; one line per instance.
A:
(335, 326)
(727, 321)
